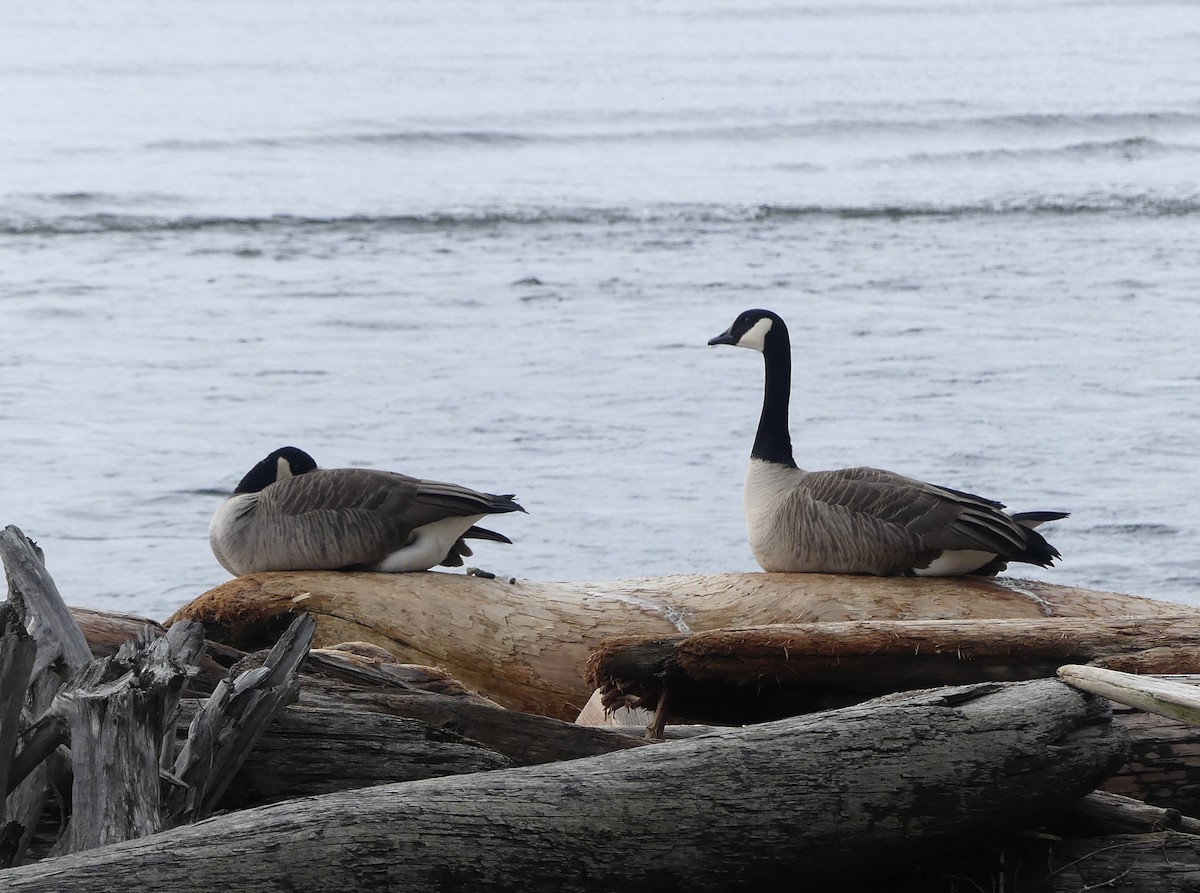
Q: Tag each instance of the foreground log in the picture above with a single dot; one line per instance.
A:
(826, 801)
(524, 644)
(746, 675)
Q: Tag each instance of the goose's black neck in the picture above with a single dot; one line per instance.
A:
(773, 443)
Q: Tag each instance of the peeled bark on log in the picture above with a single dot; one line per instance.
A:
(524, 644)
(823, 801)
(1161, 661)
(745, 675)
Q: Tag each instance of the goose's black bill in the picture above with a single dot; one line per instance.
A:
(725, 337)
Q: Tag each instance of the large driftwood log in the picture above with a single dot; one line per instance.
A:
(524, 644)
(825, 801)
(741, 675)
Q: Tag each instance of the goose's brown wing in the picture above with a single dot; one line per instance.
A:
(435, 500)
(334, 518)
(933, 519)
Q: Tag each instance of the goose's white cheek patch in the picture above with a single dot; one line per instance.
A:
(756, 336)
(283, 469)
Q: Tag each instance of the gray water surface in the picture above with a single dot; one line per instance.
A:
(487, 242)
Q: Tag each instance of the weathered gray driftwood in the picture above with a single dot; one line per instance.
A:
(106, 631)
(306, 751)
(118, 717)
(345, 680)
(32, 592)
(61, 651)
(225, 727)
(1164, 768)
(1164, 862)
(823, 800)
(1155, 694)
(1116, 814)
(119, 714)
(17, 653)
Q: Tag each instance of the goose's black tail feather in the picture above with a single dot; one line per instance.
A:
(1037, 550)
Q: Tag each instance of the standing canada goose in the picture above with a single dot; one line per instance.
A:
(862, 520)
(289, 515)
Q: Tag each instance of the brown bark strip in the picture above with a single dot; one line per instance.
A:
(747, 674)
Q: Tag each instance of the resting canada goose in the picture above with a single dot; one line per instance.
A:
(289, 515)
(862, 520)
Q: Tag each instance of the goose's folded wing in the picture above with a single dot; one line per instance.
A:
(435, 500)
(335, 518)
(938, 517)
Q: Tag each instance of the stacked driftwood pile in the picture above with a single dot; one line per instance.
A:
(794, 730)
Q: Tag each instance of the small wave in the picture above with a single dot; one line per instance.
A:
(374, 325)
(616, 129)
(1085, 205)
(88, 224)
(101, 199)
(1141, 205)
(1023, 123)
(398, 138)
(1145, 528)
(273, 373)
(1130, 149)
